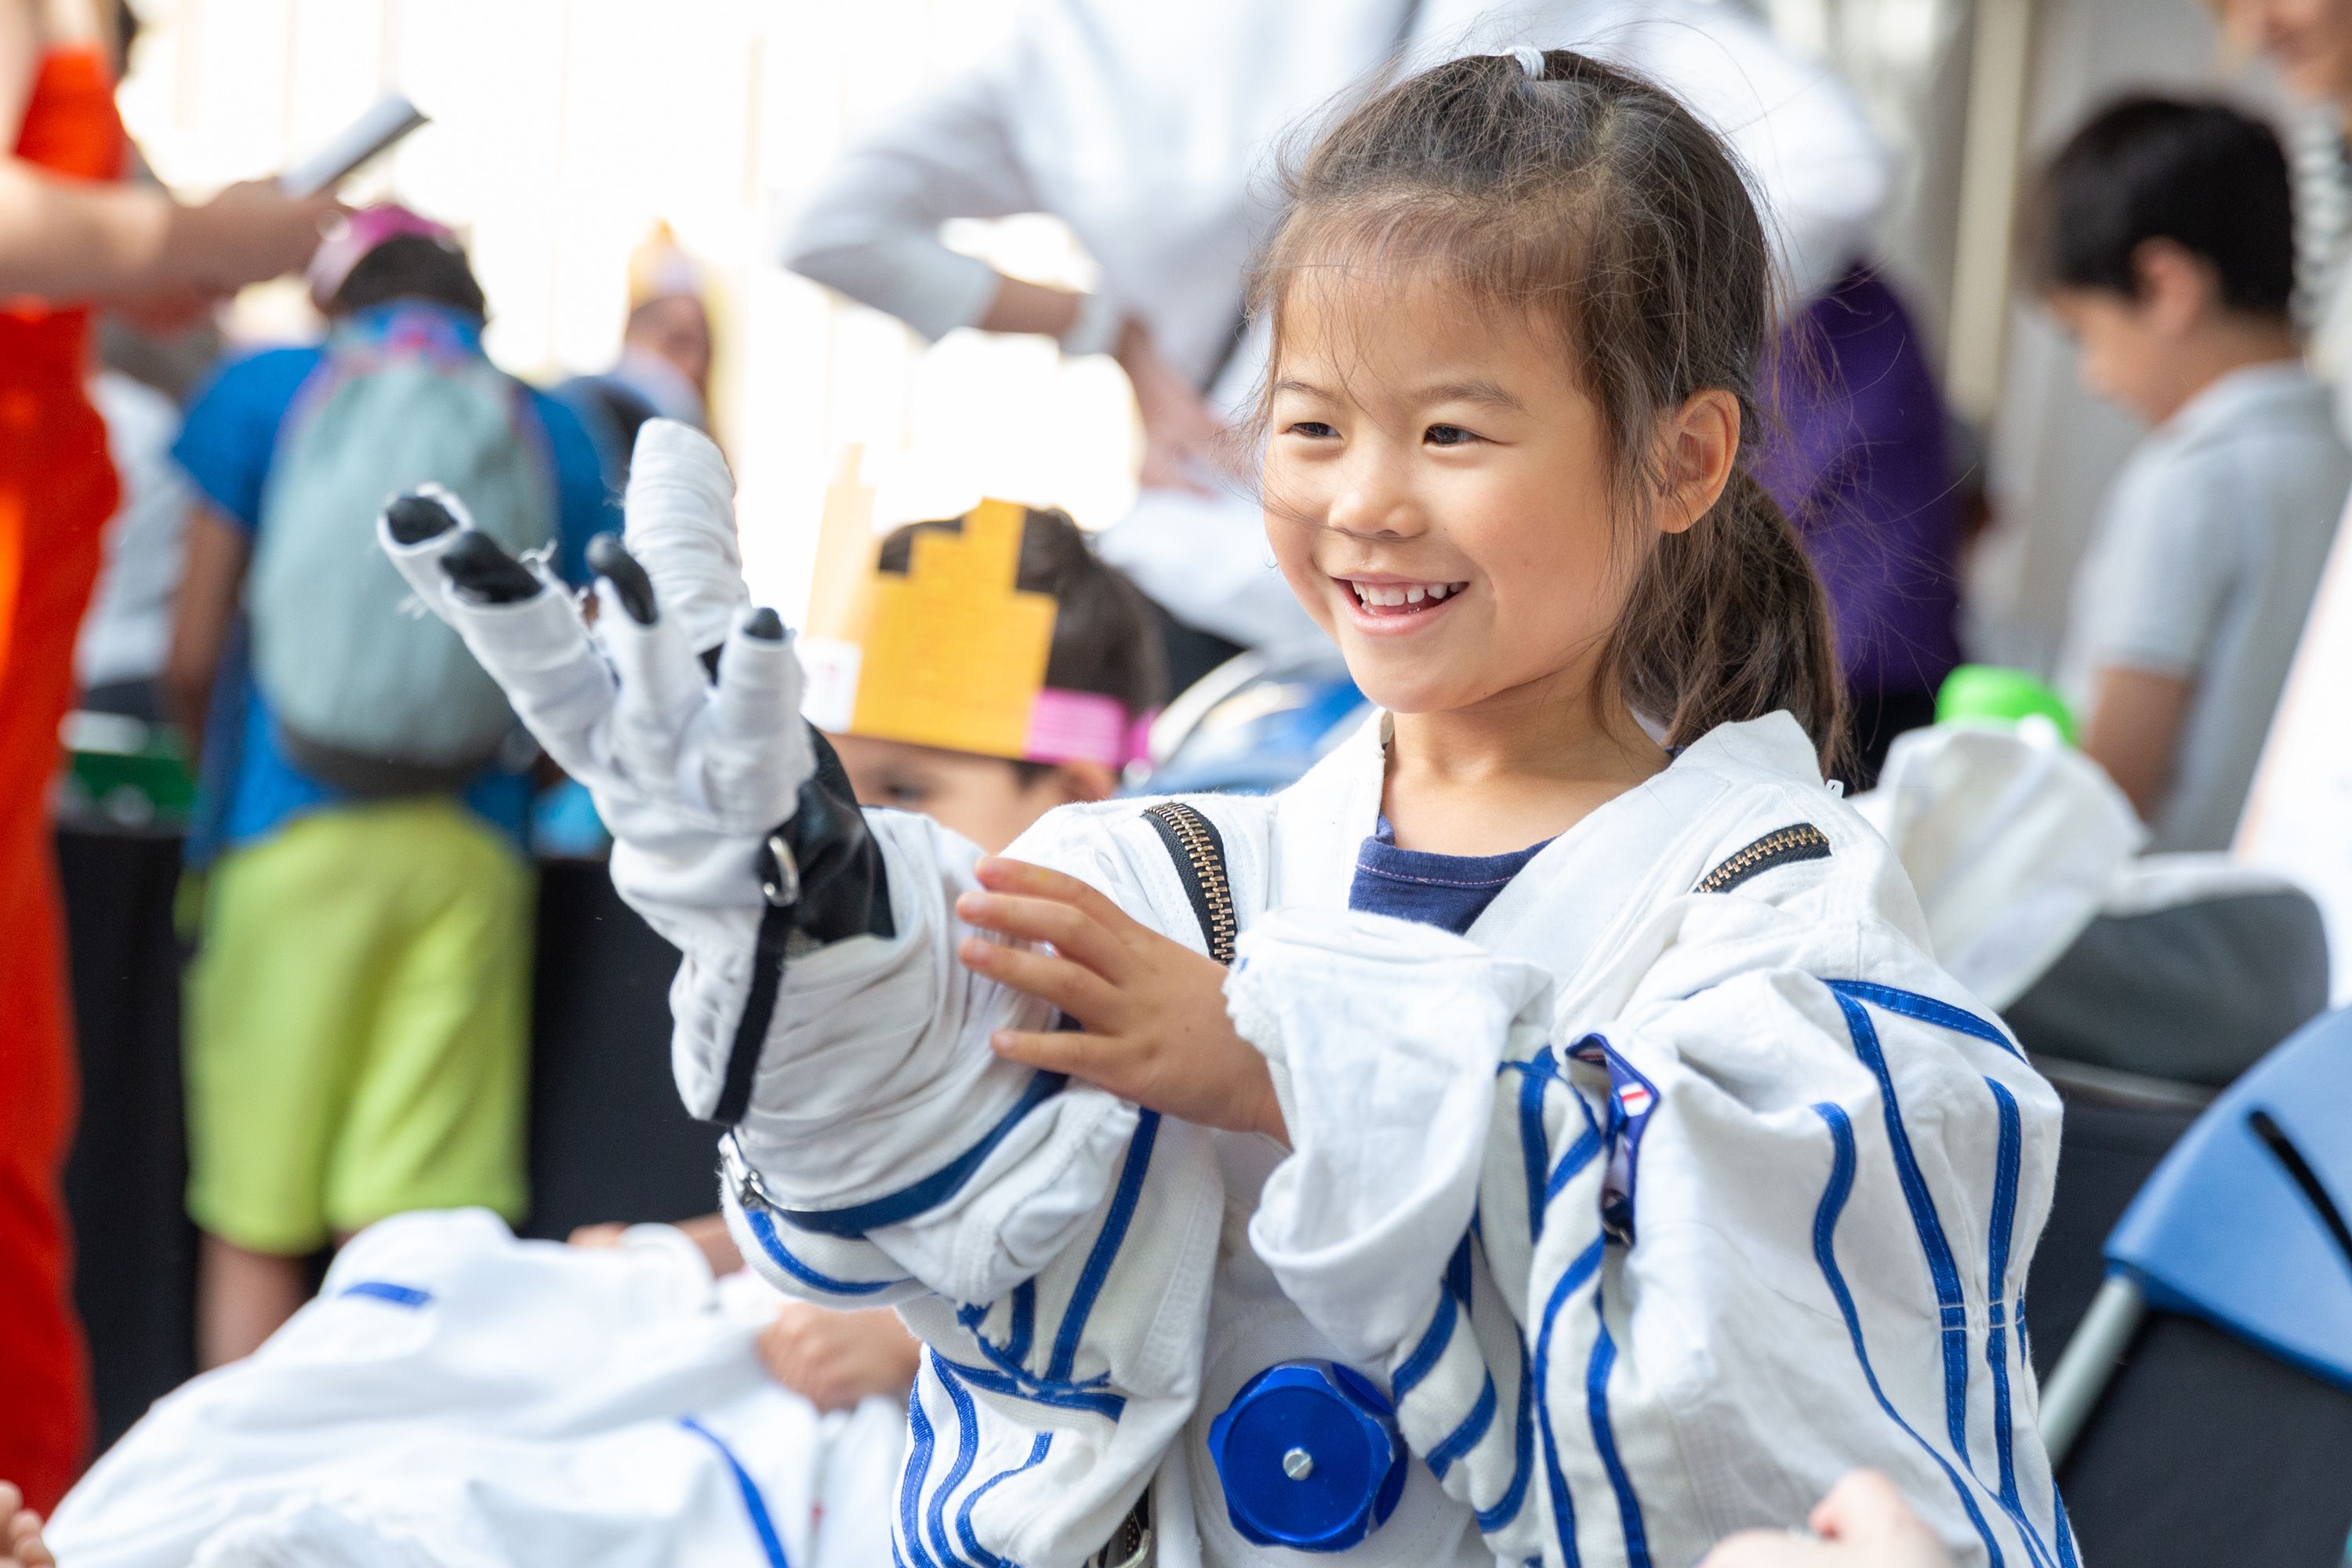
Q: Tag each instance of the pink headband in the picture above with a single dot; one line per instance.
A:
(1067, 726)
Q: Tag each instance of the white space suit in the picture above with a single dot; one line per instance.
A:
(1686, 1183)
(455, 1398)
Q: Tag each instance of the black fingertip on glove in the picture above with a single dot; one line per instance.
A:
(763, 624)
(844, 890)
(414, 519)
(610, 559)
(484, 573)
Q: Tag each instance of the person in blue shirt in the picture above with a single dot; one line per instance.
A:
(357, 1014)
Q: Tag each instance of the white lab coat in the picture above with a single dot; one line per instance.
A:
(1772, 1147)
(1154, 132)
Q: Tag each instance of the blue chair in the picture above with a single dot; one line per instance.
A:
(2203, 1410)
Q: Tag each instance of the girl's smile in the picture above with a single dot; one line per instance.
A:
(1388, 605)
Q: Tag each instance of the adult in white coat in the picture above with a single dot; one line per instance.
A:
(1154, 132)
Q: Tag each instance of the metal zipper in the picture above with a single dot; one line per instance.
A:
(1798, 841)
(1198, 839)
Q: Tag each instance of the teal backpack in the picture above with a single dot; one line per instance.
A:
(369, 695)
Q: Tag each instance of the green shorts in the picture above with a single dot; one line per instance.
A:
(357, 1026)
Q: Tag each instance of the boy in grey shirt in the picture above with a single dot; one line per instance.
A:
(2164, 246)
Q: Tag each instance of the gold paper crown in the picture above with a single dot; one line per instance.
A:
(951, 653)
(660, 269)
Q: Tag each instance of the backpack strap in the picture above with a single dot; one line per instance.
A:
(1199, 852)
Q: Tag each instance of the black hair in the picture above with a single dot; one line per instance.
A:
(410, 267)
(1103, 636)
(1596, 201)
(2209, 178)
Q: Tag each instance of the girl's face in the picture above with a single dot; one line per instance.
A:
(1437, 493)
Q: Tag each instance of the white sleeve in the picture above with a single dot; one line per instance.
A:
(878, 1113)
(872, 229)
(1054, 1253)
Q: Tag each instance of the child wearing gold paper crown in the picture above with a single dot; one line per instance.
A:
(1585, 1158)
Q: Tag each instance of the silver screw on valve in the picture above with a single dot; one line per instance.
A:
(1299, 1463)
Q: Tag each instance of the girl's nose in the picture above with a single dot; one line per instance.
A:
(1372, 504)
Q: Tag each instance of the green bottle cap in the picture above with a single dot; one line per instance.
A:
(1982, 693)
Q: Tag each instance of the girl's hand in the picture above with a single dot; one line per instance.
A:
(1152, 1009)
(835, 1360)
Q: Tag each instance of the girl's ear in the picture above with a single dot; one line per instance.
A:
(1702, 446)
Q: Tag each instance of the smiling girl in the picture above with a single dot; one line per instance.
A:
(1586, 1159)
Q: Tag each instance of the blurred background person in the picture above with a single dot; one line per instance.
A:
(357, 1016)
(664, 366)
(70, 235)
(2162, 238)
(2309, 44)
(1856, 452)
(1148, 132)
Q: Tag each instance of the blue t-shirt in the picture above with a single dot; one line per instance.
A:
(1449, 891)
(227, 444)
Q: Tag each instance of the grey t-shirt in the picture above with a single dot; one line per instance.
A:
(2204, 566)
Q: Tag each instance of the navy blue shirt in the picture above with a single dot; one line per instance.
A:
(1450, 892)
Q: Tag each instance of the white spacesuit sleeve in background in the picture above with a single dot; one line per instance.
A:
(1744, 1219)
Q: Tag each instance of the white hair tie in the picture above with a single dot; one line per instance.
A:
(1531, 60)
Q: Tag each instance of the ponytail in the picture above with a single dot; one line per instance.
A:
(1728, 621)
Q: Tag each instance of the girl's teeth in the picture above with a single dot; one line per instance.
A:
(1396, 595)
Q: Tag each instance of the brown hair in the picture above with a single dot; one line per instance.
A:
(1104, 641)
(1598, 202)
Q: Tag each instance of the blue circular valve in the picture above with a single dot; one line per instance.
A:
(1309, 1457)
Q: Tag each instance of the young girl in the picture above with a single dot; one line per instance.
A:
(1680, 1185)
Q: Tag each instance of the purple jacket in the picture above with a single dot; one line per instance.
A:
(1855, 452)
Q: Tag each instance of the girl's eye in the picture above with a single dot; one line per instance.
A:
(1448, 436)
(903, 796)
(1313, 429)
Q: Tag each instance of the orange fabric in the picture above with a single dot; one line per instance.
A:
(57, 490)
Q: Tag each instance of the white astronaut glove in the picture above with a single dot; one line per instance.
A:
(671, 755)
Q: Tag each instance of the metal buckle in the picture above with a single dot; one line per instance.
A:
(741, 1176)
(782, 886)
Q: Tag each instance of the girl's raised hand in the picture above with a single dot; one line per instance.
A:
(1152, 1010)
